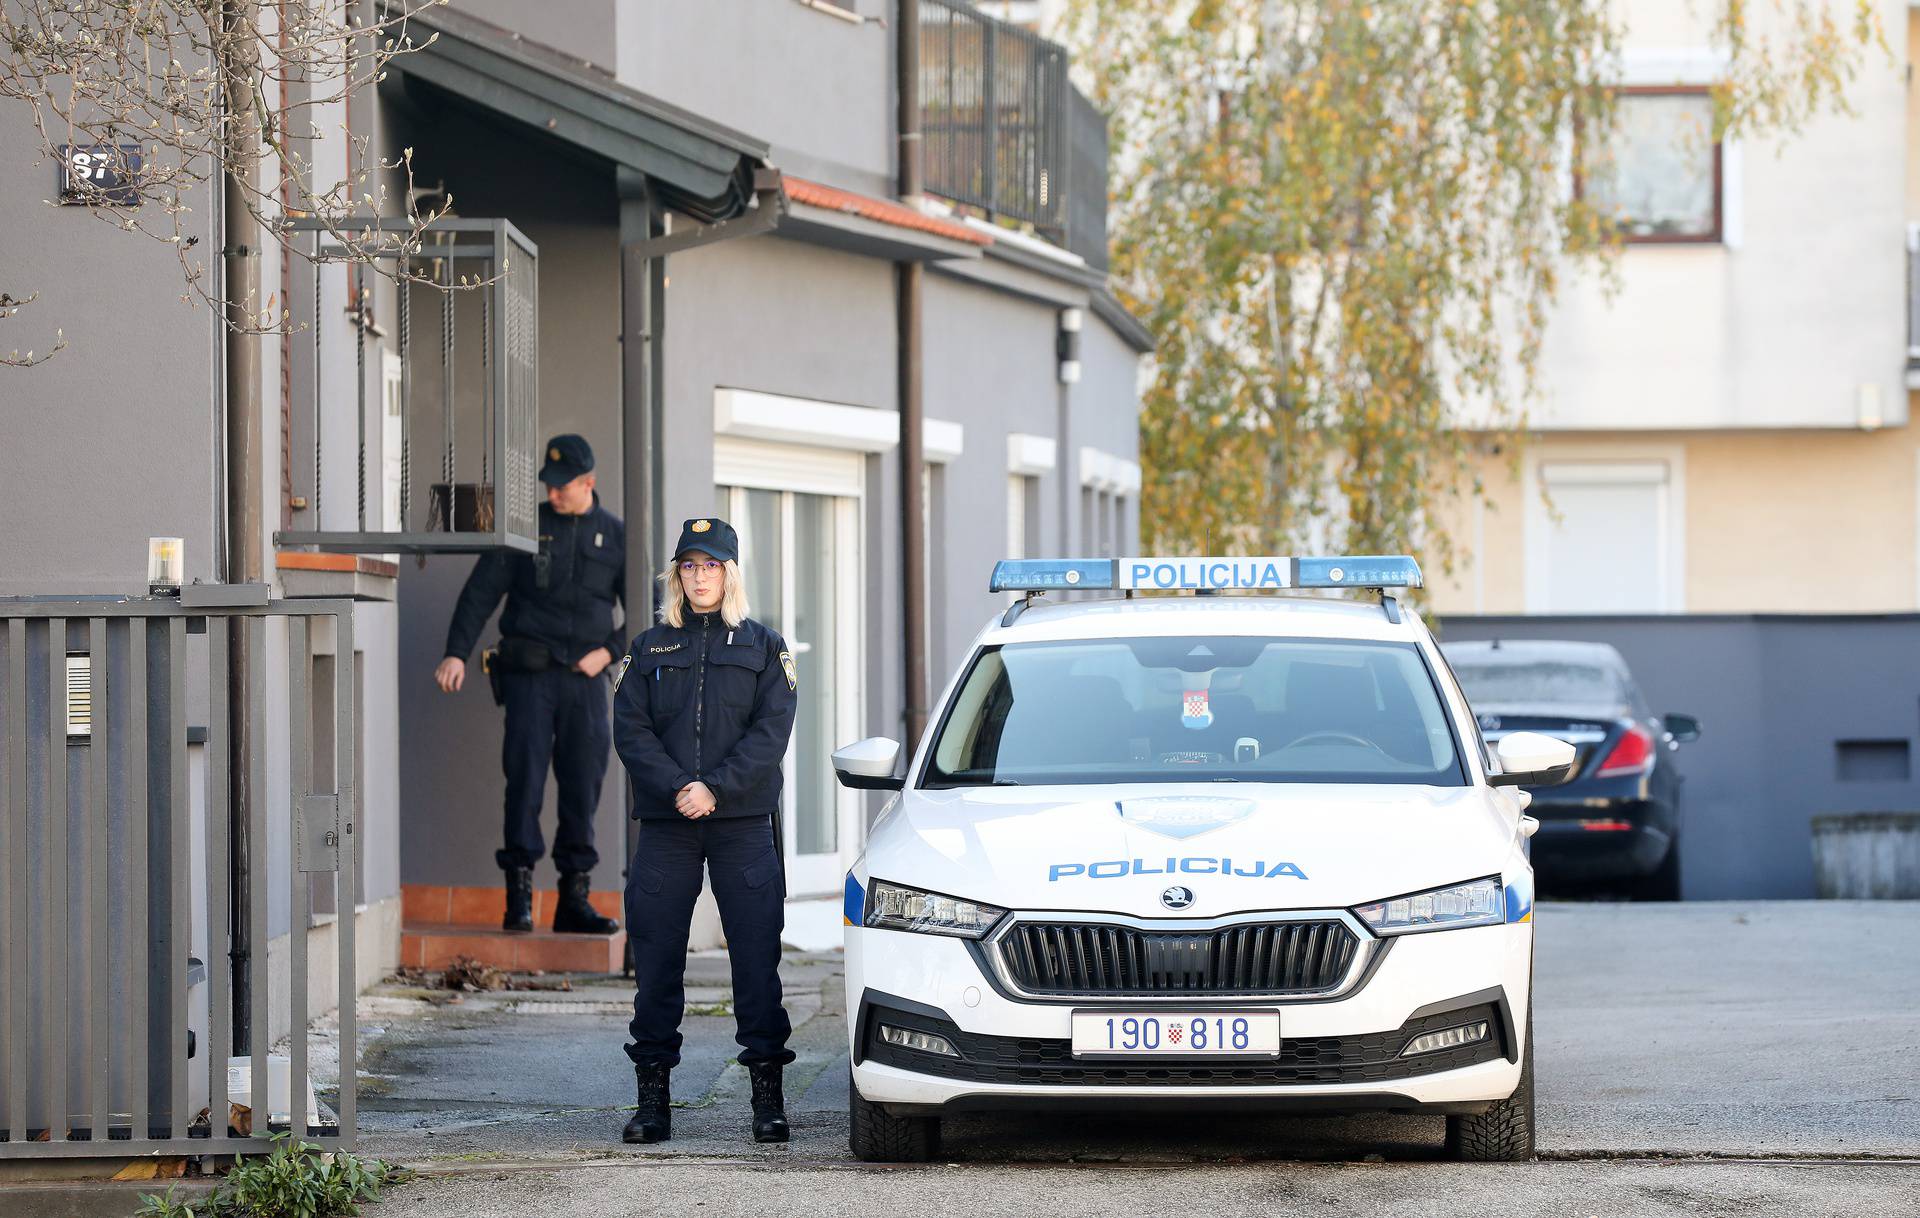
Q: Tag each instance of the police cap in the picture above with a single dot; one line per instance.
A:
(568, 457)
(709, 535)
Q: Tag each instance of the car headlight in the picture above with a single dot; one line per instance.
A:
(897, 907)
(1479, 903)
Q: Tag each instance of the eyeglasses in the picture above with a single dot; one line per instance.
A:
(709, 567)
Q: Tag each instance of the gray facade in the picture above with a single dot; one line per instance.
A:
(805, 316)
(120, 437)
(1801, 716)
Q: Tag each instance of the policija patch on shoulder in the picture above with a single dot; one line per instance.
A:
(786, 666)
(621, 672)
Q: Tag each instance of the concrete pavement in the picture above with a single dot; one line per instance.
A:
(1710, 1058)
(1705, 1058)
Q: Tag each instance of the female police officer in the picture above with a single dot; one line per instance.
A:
(702, 709)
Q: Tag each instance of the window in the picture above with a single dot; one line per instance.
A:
(1608, 545)
(1659, 177)
(1196, 709)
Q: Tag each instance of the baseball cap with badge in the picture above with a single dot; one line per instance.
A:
(568, 457)
(709, 535)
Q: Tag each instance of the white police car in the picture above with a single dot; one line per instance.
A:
(1240, 850)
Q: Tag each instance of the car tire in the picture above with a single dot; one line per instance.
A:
(875, 1136)
(1504, 1132)
(1663, 882)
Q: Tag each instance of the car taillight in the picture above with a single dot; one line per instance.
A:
(1632, 755)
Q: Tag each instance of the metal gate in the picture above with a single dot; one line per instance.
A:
(116, 923)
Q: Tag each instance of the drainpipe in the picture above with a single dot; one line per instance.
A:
(243, 490)
(910, 275)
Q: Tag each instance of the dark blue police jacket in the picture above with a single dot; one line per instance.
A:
(705, 703)
(571, 610)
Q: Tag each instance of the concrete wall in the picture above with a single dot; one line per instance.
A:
(1015, 390)
(817, 88)
(1776, 697)
(112, 440)
(1764, 521)
(1796, 314)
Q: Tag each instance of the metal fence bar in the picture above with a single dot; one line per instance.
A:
(345, 717)
(179, 824)
(16, 862)
(219, 758)
(95, 865)
(139, 804)
(259, 994)
(300, 750)
(107, 841)
(55, 927)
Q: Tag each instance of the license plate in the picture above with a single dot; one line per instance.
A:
(1176, 1033)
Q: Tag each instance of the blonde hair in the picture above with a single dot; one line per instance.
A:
(733, 595)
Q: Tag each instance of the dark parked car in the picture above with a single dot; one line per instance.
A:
(1618, 817)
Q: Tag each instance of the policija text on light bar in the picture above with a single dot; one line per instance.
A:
(1269, 573)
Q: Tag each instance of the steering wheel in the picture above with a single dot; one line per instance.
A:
(1343, 737)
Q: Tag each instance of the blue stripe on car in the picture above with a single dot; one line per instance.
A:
(856, 905)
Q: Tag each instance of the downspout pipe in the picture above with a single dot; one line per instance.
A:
(910, 278)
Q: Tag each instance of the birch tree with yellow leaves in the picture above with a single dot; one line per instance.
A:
(1345, 222)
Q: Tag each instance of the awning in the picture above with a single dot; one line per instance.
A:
(697, 166)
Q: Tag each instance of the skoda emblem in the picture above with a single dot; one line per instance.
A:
(1176, 897)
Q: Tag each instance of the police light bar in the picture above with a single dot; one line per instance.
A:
(1204, 574)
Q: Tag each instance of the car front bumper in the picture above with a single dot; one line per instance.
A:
(1337, 1054)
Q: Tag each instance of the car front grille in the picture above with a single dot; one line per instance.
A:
(1102, 960)
(1303, 1060)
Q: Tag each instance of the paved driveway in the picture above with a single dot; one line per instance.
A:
(1750, 1057)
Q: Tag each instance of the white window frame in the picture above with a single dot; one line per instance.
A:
(840, 473)
(1633, 463)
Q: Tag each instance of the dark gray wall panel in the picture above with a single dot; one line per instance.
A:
(1775, 695)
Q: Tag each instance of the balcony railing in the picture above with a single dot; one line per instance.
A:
(1003, 130)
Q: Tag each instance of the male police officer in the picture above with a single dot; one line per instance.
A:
(557, 638)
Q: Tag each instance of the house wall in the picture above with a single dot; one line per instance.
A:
(1777, 697)
(761, 68)
(1764, 521)
(1797, 319)
(1016, 389)
(112, 440)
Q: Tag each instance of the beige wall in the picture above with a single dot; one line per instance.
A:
(1765, 522)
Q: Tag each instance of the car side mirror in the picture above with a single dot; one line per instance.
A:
(1532, 759)
(869, 765)
(1684, 729)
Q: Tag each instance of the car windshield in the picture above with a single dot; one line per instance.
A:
(1545, 681)
(1196, 709)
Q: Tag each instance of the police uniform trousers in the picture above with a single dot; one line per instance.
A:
(662, 885)
(558, 718)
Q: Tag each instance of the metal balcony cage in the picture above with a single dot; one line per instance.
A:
(993, 105)
(456, 458)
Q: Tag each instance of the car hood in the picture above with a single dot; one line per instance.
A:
(1266, 846)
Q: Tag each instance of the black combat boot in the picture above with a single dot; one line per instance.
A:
(573, 914)
(653, 1112)
(769, 1104)
(519, 899)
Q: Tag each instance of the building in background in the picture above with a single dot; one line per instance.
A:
(1727, 437)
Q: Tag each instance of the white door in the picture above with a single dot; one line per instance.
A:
(800, 552)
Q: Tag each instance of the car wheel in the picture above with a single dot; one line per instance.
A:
(1663, 882)
(878, 1137)
(1504, 1132)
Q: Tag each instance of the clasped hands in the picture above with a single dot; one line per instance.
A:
(694, 801)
